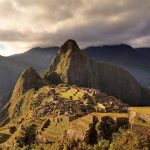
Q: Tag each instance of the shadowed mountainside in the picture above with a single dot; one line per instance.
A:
(135, 60)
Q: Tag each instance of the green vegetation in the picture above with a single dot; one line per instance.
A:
(144, 110)
(115, 115)
(130, 141)
(138, 119)
(72, 94)
(122, 140)
(140, 123)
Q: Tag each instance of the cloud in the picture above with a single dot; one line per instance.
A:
(29, 23)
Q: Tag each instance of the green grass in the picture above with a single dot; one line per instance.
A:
(83, 122)
(55, 132)
(70, 93)
(115, 115)
(142, 124)
(144, 110)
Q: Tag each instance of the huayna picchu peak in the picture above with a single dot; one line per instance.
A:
(72, 105)
(69, 45)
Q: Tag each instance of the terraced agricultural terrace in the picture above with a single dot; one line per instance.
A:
(50, 112)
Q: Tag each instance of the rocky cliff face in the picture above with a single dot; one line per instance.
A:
(28, 79)
(73, 67)
(71, 64)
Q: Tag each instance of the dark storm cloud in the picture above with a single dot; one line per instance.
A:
(51, 22)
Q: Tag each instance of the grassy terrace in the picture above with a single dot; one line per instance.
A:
(72, 93)
(115, 115)
(55, 132)
(144, 110)
(142, 124)
(83, 122)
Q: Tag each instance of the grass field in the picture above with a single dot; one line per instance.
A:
(143, 110)
(55, 132)
(115, 115)
(84, 122)
(76, 95)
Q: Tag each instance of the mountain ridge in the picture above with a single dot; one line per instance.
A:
(10, 65)
(136, 61)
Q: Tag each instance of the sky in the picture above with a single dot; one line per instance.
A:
(25, 24)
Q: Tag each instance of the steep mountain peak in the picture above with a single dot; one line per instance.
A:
(29, 72)
(69, 45)
(69, 59)
(68, 55)
(29, 79)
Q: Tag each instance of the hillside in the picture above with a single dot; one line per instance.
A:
(12, 66)
(33, 91)
(34, 111)
(60, 116)
(135, 60)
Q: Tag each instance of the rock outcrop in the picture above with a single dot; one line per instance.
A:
(52, 78)
(73, 67)
(29, 79)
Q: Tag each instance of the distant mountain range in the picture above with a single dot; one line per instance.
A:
(135, 60)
